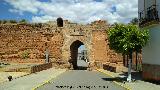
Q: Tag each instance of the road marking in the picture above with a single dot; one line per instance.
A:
(47, 81)
(124, 86)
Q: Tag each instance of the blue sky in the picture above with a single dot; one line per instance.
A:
(6, 14)
(82, 47)
(81, 11)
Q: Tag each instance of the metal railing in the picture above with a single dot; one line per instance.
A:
(151, 14)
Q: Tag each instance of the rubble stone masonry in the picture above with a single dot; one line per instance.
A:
(27, 43)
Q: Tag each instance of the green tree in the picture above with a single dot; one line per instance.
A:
(4, 21)
(23, 21)
(12, 21)
(0, 21)
(126, 39)
(134, 21)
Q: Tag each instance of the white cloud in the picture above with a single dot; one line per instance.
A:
(82, 11)
(25, 5)
(42, 18)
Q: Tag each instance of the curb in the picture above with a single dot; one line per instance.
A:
(23, 75)
(124, 86)
(47, 81)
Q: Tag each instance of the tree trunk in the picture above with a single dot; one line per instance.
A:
(129, 79)
(136, 60)
(124, 60)
(127, 60)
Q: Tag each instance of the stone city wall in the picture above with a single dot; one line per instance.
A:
(27, 43)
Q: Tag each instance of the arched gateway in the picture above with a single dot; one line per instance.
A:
(93, 36)
(70, 50)
(74, 53)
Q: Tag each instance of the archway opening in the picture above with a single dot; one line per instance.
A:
(59, 22)
(79, 59)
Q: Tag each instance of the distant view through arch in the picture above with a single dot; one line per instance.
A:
(79, 58)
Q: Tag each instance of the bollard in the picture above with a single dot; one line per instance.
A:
(10, 78)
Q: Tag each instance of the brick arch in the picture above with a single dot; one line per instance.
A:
(66, 50)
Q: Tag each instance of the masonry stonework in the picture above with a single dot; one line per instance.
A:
(27, 43)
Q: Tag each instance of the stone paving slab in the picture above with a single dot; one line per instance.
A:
(137, 85)
(31, 81)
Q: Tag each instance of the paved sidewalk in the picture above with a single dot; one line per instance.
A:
(137, 85)
(31, 81)
(4, 75)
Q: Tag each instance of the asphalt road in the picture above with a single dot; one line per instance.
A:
(81, 80)
(82, 63)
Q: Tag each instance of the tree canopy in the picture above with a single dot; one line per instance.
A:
(12, 21)
(23, 21)
(134, 21)
(125, 38)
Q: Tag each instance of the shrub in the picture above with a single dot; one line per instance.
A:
(23, 21)
(4, 21)
(12, 21)
(25, 55)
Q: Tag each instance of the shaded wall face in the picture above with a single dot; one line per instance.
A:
(151, 52)
(74, 54)
(149, 3)
(151, 55)
(143, 5)
(158, 7)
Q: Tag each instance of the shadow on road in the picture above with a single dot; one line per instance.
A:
(135, 76)
(138, 76)
(81, 68)
(117, 79)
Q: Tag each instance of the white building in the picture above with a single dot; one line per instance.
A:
(149, 18)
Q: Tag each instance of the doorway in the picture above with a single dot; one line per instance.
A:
(79, 59)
